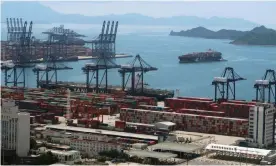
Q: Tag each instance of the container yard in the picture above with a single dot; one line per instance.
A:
(189, 122)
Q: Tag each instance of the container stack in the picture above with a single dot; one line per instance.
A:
(153, 108)
(189, 122)
(120, 124)
(235, 110)
(179, 103)
(201, 112)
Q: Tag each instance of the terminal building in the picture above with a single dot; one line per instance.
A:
(92, 141)
(15, 129)
(261, 131)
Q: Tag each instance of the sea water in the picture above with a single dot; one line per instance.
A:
(161, 50)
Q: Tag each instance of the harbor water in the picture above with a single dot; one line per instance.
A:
(161, 50)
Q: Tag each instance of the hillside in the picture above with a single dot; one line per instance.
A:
(257, 36)
(39, 13)
(202, 32)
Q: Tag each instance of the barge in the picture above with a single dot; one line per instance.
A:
(159, 94)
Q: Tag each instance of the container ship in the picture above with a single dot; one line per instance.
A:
(208, 56)
(159, 94)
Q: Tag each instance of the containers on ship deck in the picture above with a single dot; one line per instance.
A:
(189, 122)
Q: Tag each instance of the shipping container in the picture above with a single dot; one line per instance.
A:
(201, 112)
(177, 104)
(235, 110)
(120, 124)
(154, 108)
(189, 122)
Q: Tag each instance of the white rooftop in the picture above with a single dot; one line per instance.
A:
(166, 123)
(103, 132)
(71, 152)
(238, 149)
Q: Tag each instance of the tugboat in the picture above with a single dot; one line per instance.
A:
(196, 57)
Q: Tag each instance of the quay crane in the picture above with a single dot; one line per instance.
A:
(53, 48)
(228, 79)
(138, 65)
(15, 29)
(94, 68)
(14, 70)
(267, 84)
(105, 43)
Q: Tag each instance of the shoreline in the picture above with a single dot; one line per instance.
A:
(79, 58)
(238, 44)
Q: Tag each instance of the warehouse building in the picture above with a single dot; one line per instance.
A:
(92, 141)
(261, 126)
(15, 129)
(263, 155)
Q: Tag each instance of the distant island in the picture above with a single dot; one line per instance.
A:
(257, 36)
(39, 13)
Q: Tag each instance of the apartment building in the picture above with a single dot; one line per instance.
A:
(15, 128)
(261, 125)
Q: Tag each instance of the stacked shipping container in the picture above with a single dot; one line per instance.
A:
(189, 122)
(232, 108)
(235, 110)
(201, 112)
(177, 103)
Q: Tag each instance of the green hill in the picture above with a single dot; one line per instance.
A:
(202, 32)
(257, 36)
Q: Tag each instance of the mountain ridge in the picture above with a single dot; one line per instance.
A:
(257, 36)
(37, 12)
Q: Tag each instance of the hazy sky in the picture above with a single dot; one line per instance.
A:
(259, 12)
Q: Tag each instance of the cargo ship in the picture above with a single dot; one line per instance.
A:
(159, 94)
(196, 57)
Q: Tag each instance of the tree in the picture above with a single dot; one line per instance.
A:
(102, 159)
(33, 144)
(46, 159)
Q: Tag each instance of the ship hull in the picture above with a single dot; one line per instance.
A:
(160, 95)
(201, 61)
(200, 57)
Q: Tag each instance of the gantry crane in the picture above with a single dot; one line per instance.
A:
(52, 50)
(267, 84)
(14, 29)
(137, 66)
(60, 39)
(105, 43)
(227, 80)
(15, 71)
(94, 68)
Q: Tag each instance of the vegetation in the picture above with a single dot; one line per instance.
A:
(114, 154)
(33, 144)
(256, 39)
(257, 36)
(202, 32)
(46, 159)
